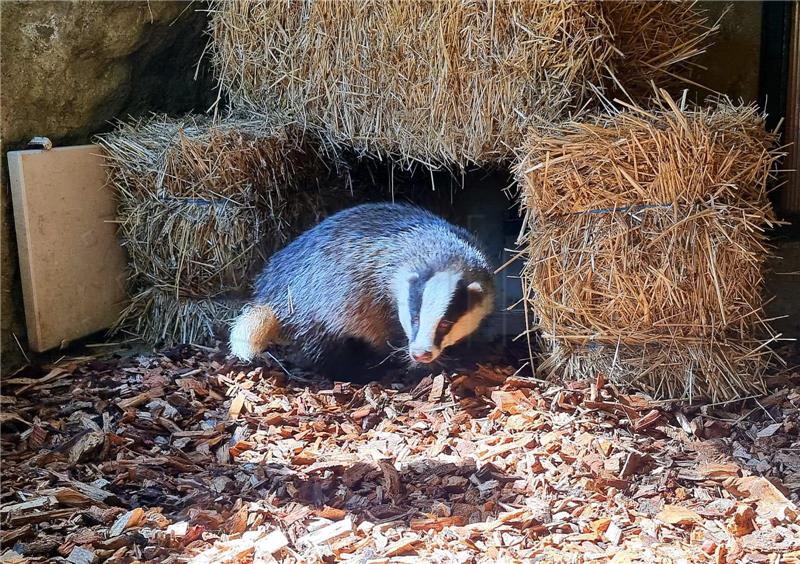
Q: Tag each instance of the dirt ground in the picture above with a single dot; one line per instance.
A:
(183, 456)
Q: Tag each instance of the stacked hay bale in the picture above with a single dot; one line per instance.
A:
(653, 41)
(645, 241)
(444, 82)
(202, 203)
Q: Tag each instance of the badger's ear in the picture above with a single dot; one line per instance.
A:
(475, 288)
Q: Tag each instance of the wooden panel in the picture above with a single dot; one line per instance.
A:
(72, 268)
(790, 193)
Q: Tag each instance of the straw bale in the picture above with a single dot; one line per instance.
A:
(716, 370)
(202, 247)
(667, 154)
(240, 156)
(160, 316)
(645, 241)
(655, 42)
(438, 82)
(648, 273)
(202, 203)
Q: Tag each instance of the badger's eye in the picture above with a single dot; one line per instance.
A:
(444, 325)
(415, 319)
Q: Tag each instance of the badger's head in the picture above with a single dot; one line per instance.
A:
(438, 309)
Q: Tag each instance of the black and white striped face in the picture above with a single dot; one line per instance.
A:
(439, 310)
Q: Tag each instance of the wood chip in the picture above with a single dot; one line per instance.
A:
(271, 543)
(437, 523)
(26, 505)
(771, 503)
(769, 430)
(516, 470)
(327, 533)
(677, 515)
(742, 522)
(403, 546)
(80, 555)
(126, 521)
(141, 399)
(509, 402)
(236, 406)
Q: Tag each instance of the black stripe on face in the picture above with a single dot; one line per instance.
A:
(461, 302)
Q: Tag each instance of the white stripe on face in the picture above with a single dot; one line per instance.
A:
(402, 286)
(435, 300)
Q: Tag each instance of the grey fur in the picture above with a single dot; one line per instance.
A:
(336, 280)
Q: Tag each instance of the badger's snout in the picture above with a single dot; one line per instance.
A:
(423, 355)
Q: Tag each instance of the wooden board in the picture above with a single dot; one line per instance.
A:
(72, 267)
(790, 192)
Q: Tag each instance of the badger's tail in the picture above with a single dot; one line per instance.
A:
(252, 331)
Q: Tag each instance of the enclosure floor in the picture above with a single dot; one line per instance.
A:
(182, 456)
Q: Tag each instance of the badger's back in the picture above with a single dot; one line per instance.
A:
(335, 280)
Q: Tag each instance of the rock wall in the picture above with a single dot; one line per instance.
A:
(69, 68)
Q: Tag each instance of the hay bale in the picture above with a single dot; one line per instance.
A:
(201, 247)
(640, 157)
(684, 272)
(202, 203)
(440, 82)
(646, 243)
(241, 157)
(725, 370)
(655, 42)
(162, 317)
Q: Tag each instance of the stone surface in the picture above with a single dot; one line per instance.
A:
(71, 67)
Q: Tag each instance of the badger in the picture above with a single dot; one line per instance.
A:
(372, 275)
